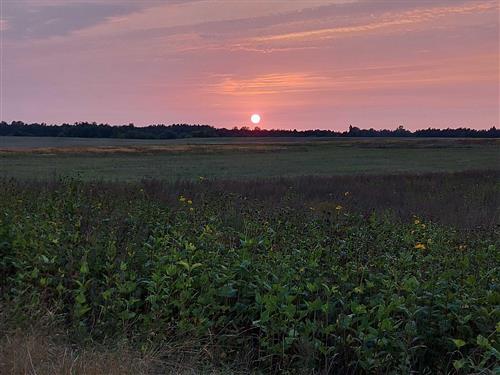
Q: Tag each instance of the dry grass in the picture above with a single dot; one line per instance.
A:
(274, 145)
(39, 354)
(205, 149)
(38, 351)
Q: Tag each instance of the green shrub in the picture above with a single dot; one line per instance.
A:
(297, 287)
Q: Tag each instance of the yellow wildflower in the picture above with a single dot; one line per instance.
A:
(346, 194)
(423, 226)
(182, 199)
(189, 201)
(191, 209)
(201, 178)
(417, 221)
(462, 247)
(420, 246)
(338, 208)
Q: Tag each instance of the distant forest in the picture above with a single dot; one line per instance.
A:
(175, 131)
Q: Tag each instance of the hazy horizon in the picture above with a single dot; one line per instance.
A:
(316, 64)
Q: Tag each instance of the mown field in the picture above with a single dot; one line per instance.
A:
(133, 160)
(272, 269)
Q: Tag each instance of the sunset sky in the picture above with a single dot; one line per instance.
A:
(299, 64)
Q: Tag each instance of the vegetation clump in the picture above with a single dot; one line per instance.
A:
(178, 131)
(290, 287)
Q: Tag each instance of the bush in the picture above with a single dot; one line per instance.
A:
(296, 287)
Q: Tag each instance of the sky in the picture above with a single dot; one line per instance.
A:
(300, 64)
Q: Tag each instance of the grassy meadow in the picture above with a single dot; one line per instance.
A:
(133, 160)
(235, 256)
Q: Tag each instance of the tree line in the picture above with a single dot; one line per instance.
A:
(175, 131)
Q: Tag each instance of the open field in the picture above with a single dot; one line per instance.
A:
(129, 160)
(61, 142)
(286, 256)
(30, 143)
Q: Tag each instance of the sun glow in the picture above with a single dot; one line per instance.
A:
(255, 118)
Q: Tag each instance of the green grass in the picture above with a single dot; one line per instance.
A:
(129, 160)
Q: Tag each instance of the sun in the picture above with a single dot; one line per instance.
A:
(255, 118)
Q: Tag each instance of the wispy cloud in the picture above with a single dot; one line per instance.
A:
(477, 70)
(41, 19)
(270, 84)
(387, 21)
(193, 13)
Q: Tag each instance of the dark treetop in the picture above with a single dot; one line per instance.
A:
(94, 130)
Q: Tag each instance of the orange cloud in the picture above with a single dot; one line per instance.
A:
(437, 73)
(270, 84)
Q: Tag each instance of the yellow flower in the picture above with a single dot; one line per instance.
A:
(423, 226)
(346, 194)
(420, 246)
(182, 199)
(189, 201)
(462, 247)
(201, 178)
(191, 209)
(417, 221)
(338, 208)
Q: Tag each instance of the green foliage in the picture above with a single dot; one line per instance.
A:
(298, 288)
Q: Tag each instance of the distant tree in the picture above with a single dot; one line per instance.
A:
(402, 132)
(161, 131)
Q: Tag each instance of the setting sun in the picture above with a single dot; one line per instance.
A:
(255, 118)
